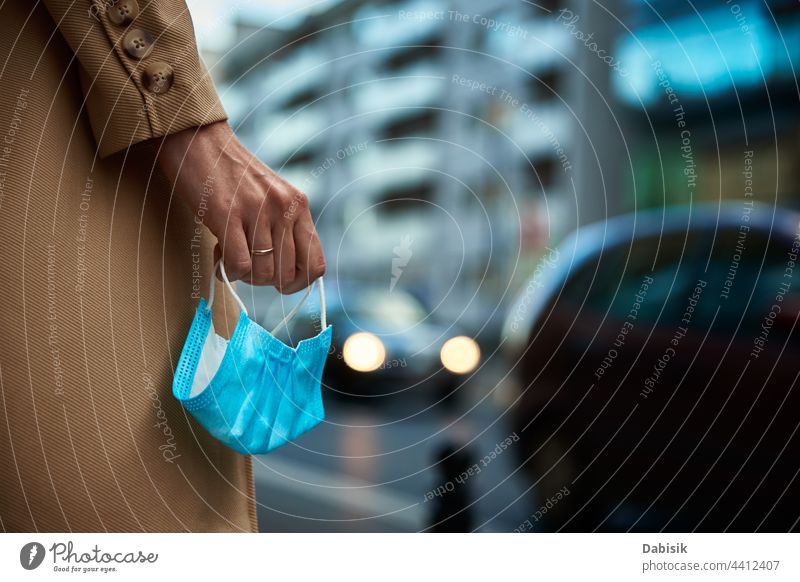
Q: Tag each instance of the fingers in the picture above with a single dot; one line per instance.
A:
(283, 239)
(235, 251)
(309, 259)
(262, 270)
(296, 261)
(271, 214)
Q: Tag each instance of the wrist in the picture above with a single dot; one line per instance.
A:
(175, 146)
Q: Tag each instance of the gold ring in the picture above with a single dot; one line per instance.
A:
(262, 251)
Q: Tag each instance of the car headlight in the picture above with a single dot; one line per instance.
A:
(460, 354)
(363, 352)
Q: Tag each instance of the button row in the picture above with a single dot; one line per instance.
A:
(158, 76)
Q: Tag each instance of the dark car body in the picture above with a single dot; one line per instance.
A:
(658, 364)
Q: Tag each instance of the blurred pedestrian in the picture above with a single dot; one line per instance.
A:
(451, 511)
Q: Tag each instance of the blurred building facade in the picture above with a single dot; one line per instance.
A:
(433, 135)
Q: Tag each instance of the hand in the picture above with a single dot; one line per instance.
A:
(246, 206)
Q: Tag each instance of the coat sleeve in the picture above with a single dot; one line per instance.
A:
(140, 70)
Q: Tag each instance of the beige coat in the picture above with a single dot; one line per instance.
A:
(102, 270)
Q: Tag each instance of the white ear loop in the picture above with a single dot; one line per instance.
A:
(227, 282)
(289, 316)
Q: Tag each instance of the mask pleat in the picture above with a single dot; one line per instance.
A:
(285, 410)
(270, 397)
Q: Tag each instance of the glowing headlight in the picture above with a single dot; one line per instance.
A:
(460, 354)
(364, 352)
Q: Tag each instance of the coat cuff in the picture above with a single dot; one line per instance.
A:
(152, 81)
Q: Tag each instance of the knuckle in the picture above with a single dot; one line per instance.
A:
(235, 208)
(263, 276)
(253, 203)
(225, 224)
(238, 265)
(262, 218)
(319, 269)
(268, 272)
(302, 200)
(258, 238)
(287, 276)
(292, 202)
(280, 238)
(282, 198)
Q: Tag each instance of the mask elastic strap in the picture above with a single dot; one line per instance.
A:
(289, 316)
(221, 267)
(297, 307)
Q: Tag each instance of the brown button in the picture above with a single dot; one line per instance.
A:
(158, 77)
(137, 43)
(123, 12)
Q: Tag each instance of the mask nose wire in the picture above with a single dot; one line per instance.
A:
(289, 316)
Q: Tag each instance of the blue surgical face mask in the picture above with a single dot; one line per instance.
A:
(254, 393)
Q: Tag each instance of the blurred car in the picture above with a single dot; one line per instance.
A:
(657, 361)
(385, 342)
